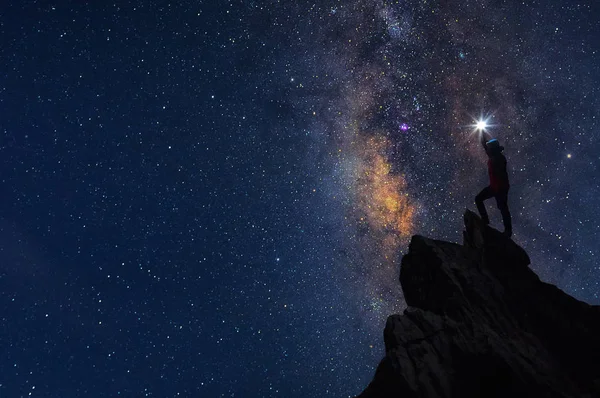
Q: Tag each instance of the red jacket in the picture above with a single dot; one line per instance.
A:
(498, 174)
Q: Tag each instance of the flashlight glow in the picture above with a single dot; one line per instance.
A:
(481, 124)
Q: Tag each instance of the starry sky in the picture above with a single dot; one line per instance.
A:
(210, 199)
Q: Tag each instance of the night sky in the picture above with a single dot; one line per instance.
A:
(209, 199)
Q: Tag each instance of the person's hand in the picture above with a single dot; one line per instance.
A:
(485, 136)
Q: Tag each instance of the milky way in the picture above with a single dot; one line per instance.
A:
(412, 79)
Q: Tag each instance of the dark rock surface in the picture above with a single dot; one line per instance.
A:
(480, 323)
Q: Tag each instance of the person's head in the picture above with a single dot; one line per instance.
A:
(493, 146)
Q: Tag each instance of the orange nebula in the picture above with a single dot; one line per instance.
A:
(382, 197)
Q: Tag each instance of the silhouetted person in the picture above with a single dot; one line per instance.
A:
(499, 185)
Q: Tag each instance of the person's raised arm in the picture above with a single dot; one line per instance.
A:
(484, 137)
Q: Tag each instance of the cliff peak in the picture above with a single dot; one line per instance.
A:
(480, 323)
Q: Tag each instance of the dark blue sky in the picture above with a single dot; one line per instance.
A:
(203, 199)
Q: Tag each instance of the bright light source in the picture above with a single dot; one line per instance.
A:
(481, 124)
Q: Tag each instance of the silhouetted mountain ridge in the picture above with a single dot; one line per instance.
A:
(480, 323)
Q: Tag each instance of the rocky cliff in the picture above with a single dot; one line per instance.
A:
(480, 323)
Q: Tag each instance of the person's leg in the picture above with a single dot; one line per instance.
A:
(485, 193)
(502, 202)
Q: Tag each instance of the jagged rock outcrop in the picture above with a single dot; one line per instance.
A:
(480, 323)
